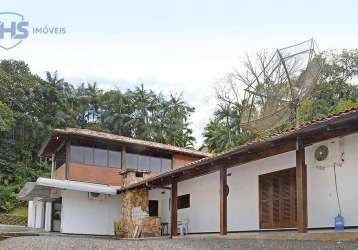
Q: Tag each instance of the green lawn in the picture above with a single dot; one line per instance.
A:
(20, 211)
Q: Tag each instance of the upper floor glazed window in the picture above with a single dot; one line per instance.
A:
(149, 163)
(95, 156)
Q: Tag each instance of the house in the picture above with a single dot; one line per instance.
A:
(300, 179)
(88, 169)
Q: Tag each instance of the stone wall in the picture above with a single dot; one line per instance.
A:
(135, 207)
(150, 226)
(134, 201)
(130, 177)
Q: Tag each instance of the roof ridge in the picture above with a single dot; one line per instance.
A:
(290, 129)
(95, 133)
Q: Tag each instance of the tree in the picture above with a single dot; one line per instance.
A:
(30, 107)
(6, 117)
(336, 91)
(223, 131)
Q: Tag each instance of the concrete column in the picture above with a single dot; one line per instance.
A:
(48, 216)
(39, 214)
(31, 215)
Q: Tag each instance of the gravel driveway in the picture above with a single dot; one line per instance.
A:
(63, 242)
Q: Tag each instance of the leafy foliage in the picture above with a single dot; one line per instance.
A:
(224, 131)
(30, 107)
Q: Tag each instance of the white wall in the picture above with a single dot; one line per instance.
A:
(80, 215)
(204, 191)
(243, 199)
(203, 214)
(322, 201)
(162, 196)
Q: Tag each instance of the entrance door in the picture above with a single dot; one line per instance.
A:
(56, 215)
(277, 195)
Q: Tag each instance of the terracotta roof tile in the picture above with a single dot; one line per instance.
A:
(128, 140)
(225, 153)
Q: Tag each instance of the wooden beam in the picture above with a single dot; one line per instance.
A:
(266, 149)
(301, 184)
(223, 201)
(174, 209)
(124, 158)
(158, 186)
(329, 133)
(68, 158)
(235, 160)
(60, 147)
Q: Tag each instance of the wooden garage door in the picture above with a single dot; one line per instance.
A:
(277, 194)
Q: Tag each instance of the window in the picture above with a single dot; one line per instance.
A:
(149, 163)
(139, 174)
(114, 159)
(155, 164)
(166, 164)
(88, 155)
(143, 162)
(153, 208)
(132, 161)
(76, 154)
(183, 201)
(96, 156)
(100, 157)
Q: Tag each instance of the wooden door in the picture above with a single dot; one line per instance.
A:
(277, 199)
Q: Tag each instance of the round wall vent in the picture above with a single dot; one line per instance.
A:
(321, 153)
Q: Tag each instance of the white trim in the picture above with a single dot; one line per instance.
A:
(77, 186)
(47, 189)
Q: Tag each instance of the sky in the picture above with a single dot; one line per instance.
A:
(172, 46)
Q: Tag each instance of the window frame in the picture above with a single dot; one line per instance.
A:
(183, 201)
(156, 212)
(93, 149)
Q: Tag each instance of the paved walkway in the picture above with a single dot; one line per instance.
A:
(78, 243)
(14, 228)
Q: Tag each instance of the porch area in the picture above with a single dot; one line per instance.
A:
(227, 195)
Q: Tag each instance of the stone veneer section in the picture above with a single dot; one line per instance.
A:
(134, 199)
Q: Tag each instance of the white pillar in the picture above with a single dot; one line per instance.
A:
(48, 216)
(39, 214)
(31, 215)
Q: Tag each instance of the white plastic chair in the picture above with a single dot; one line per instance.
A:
(183, 227)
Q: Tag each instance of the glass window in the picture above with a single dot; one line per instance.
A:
(88, 155)
(153, 207)
(114, 159)
(132, 161)
(155, 164)
(144, 162)
(166, 164)
(77, 154)
(183, 201)
(100, 157)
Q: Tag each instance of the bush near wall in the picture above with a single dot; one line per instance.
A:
(9, 219)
